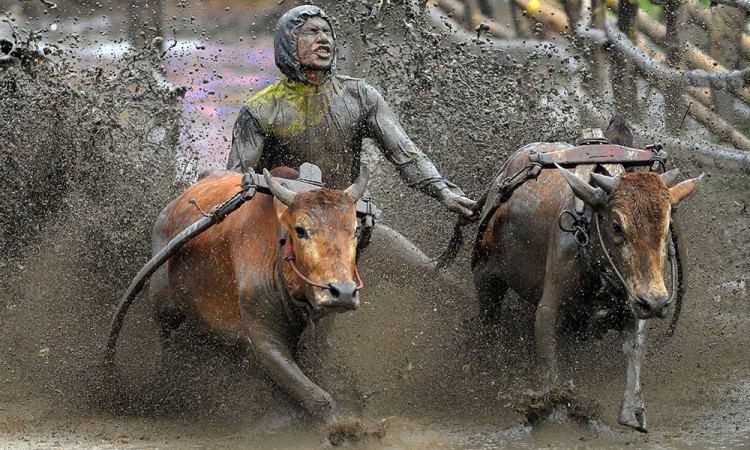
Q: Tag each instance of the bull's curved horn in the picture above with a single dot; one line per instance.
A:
(357, 189)
(604, 181)
(590, 195)
(284, 195)
(670, 178)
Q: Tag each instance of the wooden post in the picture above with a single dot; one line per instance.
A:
(573, 9)
(674, 106)
(622, 72)
(727, 24)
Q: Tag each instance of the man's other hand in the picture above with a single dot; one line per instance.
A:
(458, 203)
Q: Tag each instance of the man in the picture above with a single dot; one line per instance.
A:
(313, 115)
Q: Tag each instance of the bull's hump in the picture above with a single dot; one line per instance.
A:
(213, 189)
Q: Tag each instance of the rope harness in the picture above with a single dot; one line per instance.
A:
(580, 230)
(290, 258)
(504, 191)
(287, 298)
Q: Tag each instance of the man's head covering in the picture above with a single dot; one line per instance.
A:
(285, 40)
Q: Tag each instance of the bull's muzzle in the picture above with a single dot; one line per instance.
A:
(648, 306)
(341, 296)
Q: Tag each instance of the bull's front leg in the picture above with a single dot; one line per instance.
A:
(633, 409)
(545, 335)
(275, 356)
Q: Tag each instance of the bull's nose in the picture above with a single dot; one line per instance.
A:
(343, 295)
(653, 305)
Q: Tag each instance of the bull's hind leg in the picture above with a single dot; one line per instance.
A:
(167, 314)
(491, 290)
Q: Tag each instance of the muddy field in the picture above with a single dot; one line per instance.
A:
(87, 165)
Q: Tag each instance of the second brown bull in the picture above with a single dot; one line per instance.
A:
(524, 249)
(234, 280)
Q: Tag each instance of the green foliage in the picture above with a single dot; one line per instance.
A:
(652, 10)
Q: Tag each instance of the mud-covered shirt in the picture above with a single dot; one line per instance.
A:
(290, 122)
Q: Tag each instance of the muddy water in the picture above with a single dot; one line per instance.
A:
(411, 355)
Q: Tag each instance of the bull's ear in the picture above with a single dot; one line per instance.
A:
(590, 195)
(670, 178)
(280, 209)
(683, 190)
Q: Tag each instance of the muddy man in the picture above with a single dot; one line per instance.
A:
(315, 115)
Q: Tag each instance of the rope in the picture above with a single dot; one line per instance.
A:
(609, 258)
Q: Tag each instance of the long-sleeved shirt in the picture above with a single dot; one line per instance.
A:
(291, 122)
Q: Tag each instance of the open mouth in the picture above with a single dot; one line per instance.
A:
(323, 51)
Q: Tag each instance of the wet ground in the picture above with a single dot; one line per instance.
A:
(409, 357)
(423, 371)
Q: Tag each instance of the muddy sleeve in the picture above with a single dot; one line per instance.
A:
(413, 166)
(247, 142)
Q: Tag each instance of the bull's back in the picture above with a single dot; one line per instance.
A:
(206, 276)
(516, 243)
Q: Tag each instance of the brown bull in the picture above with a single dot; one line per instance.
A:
(523, 248)
(226, 280)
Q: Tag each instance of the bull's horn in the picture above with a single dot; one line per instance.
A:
(590, 195)
(284, 195)
(670, 178)
(357, 189)
(604, 181)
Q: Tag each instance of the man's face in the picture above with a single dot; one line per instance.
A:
(315, 45)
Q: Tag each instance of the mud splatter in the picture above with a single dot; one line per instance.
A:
(88, 156)
(353, 431)
(559, 404)
(88, 159)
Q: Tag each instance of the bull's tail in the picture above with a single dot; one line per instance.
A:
(144, 274)
(218, 213)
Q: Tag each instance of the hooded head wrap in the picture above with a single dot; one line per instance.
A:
(285, 40)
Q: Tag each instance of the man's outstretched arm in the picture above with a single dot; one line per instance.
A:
(247, 143)
(413, 166)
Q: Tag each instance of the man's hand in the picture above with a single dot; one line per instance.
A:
(458, 203)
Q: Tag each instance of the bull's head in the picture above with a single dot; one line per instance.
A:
(322, 225)
(635, 212)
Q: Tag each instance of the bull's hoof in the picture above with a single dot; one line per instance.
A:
(560, 404)
(324, 408)
(634, 418)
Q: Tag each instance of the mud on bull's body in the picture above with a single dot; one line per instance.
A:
(524, 249)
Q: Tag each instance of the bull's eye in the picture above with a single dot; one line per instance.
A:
(616, 228)
(301, 232)
(357, 233)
